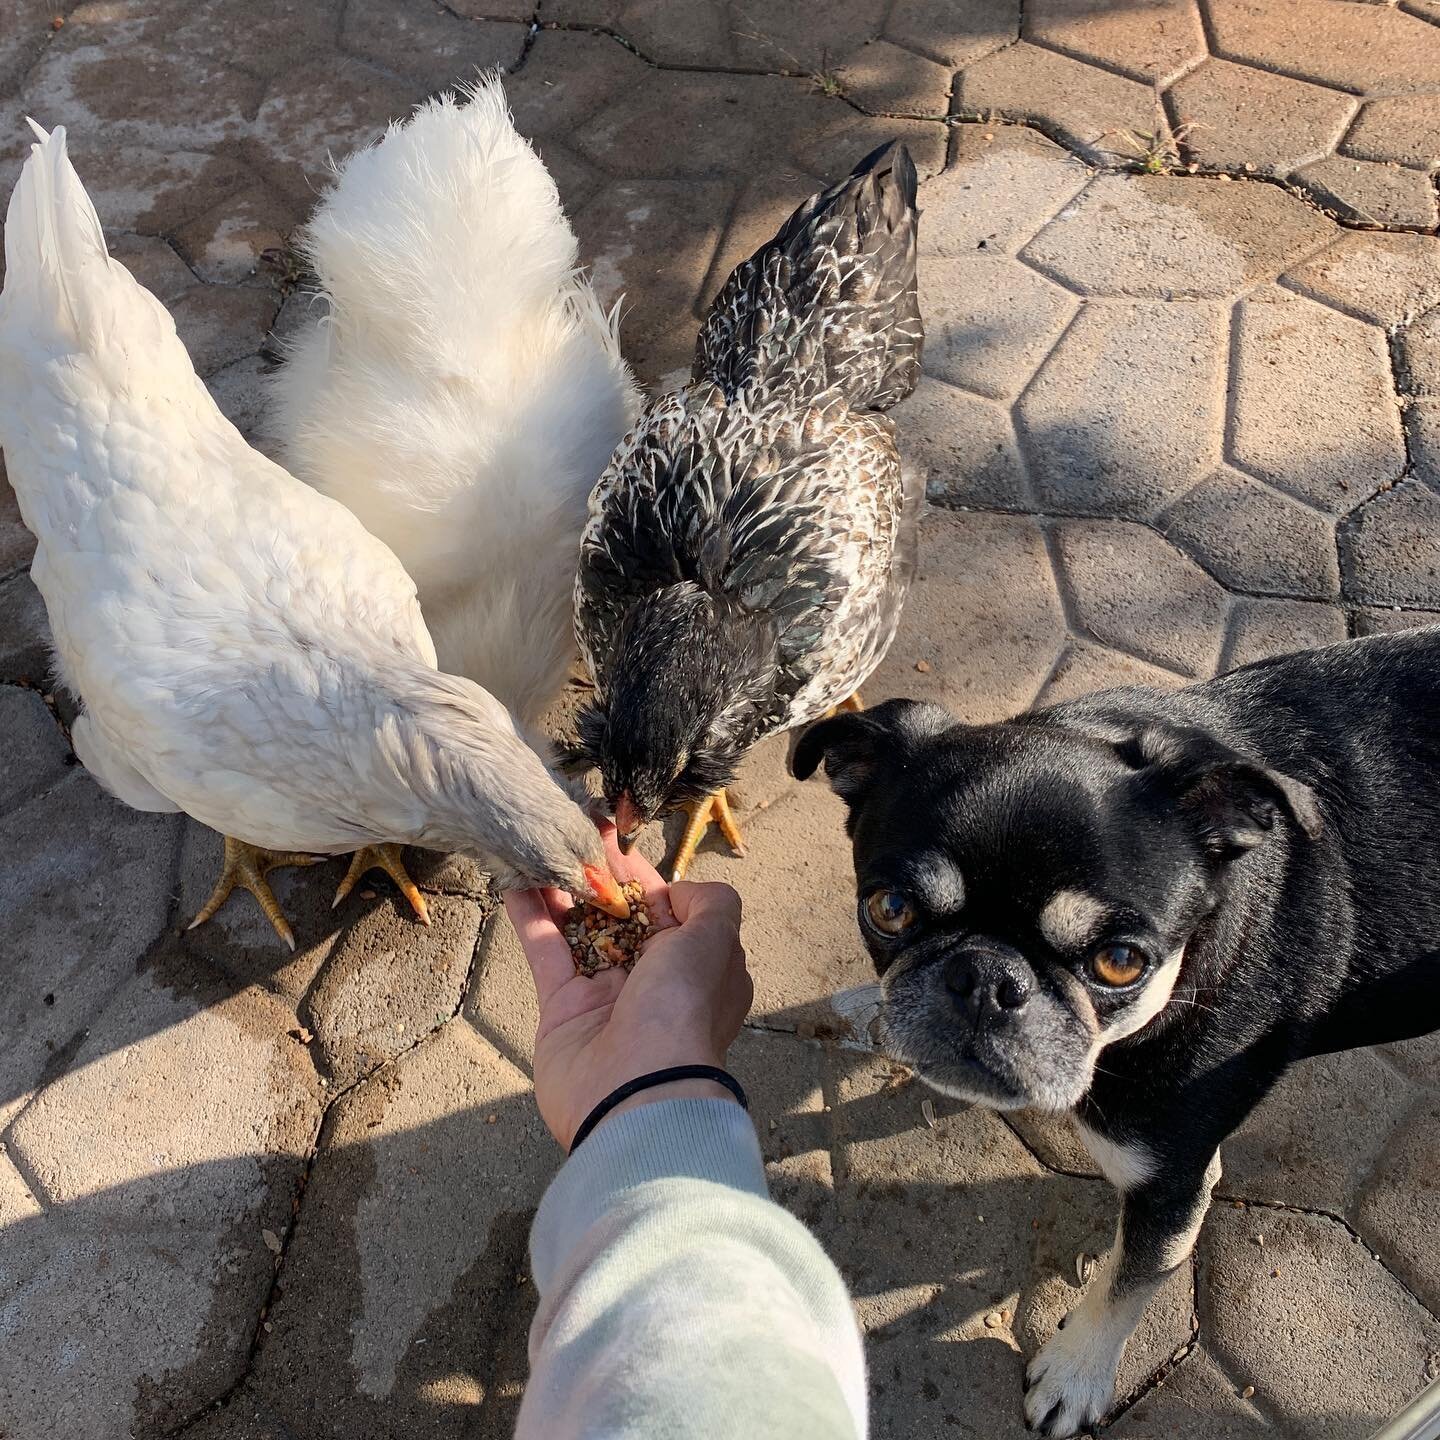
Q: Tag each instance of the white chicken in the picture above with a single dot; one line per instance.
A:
(244, 650)
(462, 388)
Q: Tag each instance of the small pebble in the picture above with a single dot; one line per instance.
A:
(994, 1320)
(923, 666)
(58, 23)
(1248, 1393)
(1260, 1240)
(491, 1119)
(367, 894)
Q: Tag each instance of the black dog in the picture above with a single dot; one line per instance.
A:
(1204, 886)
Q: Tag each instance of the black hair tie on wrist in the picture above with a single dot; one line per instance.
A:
(621, 1093)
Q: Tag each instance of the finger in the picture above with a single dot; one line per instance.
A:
(558, 902)
(635, 866)
(551, 964)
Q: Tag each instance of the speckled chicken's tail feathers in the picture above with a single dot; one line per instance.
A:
(831, 300)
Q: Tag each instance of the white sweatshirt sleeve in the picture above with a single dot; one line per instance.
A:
(678, 1300)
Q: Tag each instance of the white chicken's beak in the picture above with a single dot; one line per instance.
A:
(607, 893)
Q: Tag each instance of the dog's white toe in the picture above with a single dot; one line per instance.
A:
(1071, 1382)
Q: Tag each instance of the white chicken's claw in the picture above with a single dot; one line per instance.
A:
(247, 866)
(390, 859)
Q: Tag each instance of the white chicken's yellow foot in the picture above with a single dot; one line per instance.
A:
(853, 703)
(715, 808)
(247, 866)
(389, 859)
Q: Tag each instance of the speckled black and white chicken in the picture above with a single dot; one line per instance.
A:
(751, 543)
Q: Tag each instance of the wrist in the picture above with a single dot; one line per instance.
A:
(673, 1090)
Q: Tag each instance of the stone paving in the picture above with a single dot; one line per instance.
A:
(1172, 422)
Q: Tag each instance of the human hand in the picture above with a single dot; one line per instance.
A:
(682, 1004)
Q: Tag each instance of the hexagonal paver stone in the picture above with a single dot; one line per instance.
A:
(155, 263)
(1165, 236)
(788, 37)
(321, 111)
(983, 618)
(933, 1237)
(1313, 410)
(988, 321)
(411, 1245)
(1262, 628)
(1386, 621)
(242, 1418)
(964, 445)
(1129, 589)
(1195, 1398)
(1316, 1135)
(1003, 183)
(1154, 41)
(1391, 549)
(148, 190)
(1400, 1210)
(1372, 194)
(426, 43)
(224, 246)
(25, 37)
(169, 1153)
(1248, 119)
(1126, 413)
(954, 32)
(1422, 425)
(832, 141)
(1352, 47)
(221, 323)
(1053, 1140)
(69, 1371)
(501, 1001)
(1251, 537)
(652, 242)
(888, 80)
(799, 928)
(784, 1077)
(24, 632)
(1338, 1312)
(693, 33)
(389, 980)
(143, 90)
(1083, 668)
(85, 890)
(1402, 128)
(35, 754)
(1386, 279)
(1420, 357)
(1083, 106)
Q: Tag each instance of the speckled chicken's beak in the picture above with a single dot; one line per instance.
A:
(628, 822)
(607, 892)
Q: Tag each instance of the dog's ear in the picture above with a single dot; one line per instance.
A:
(851, 744)
(1235, 798)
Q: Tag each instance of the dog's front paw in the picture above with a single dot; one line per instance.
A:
(1070, 1383)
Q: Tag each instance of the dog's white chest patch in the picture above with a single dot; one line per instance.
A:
(1126, 1167)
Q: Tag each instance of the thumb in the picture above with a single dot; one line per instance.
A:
(713, 902)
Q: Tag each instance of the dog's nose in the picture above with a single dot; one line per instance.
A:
(986, 985)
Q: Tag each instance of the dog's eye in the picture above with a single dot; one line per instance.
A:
(1117, 964)
(889, 911)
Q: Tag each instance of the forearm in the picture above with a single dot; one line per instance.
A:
(677, 1300)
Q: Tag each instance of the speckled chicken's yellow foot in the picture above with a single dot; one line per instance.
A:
(389, 859)
(247, 866)
(853, 703)
(714, 807)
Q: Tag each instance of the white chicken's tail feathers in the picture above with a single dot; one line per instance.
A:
(63, 292)
(438, 243)
(53, 240)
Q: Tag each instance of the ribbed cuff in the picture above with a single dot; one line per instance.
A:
(667, 1140)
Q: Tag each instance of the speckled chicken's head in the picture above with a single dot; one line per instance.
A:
(689, 686)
